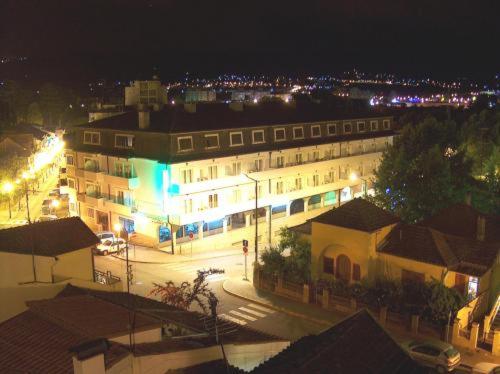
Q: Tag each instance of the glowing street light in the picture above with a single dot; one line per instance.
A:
(55, 203)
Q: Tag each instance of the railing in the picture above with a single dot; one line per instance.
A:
(105, 278)
(124, 175)
(490, 318)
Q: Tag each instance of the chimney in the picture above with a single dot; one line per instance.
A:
(88, 357)
(481, 227)
(468, 198)
(143, 119)
(190, 107)
(237, 106)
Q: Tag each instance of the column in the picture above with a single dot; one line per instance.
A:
(474, 334)
(288, 209)
(306, 204)
(200, 230)
(224, 225)
(338, 197)
(322, 201)
(268, 213)
(247, 219)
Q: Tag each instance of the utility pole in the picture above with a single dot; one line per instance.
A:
(256, 216)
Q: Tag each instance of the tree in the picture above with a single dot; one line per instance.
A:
(34, 114)
(52, 103)
(424, 172)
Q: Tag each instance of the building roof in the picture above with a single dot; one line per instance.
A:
(51, 238)
(358, 344)
(30, 343)
(358, 214)
(217, 116)
(424, 244)
(212, 367)
(304, 228)
(461, 220)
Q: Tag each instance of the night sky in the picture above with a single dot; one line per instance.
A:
(436, 37)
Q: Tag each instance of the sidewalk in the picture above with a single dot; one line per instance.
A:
(246, 290)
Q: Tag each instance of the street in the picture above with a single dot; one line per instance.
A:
(230, 307)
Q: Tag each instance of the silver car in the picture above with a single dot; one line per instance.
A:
(436, 354)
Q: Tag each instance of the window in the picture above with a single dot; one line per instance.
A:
(298, 158)
(124, 141)
(386, 124)
(298, 133)
(92, 138)
(347, 128)
(211, 141)
(328, 265)
(236, 139)
(90, 164)
(90, 212)
(212, 172)
(69, 160)
(328, 154)
(258, 137)
(259, 165)
(330, 178)
(298, 183)
(361, 126)
(213, 201)
(185, 143)
(412, 276)
(315, 180)
(374, 125)
(356, 272)
(188, 206)
(236, 168)
(236, 196)
(71, 183)
(315, 131)
(279, 187)
(123, 170)
(315, 156)
(460, 283)
(187, 176)
(331, 129)
(280, 161)
(279, 135)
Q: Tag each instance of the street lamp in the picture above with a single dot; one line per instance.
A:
(7, 188)
(27, 176)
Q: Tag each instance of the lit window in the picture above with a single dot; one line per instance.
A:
(187, 176)
(315, 131)
(71, 183)
(298, 183)
(315, 180)
(374, 125)
(211, 141)
(298, 158)
(236, 139)
(347, 128)
(124, 141)
(188, 206)
(258, 137)
(279, 135)
(298, 133)
(259, 165)
(361, 126)
(236, 196)
(332, 129)
(212, 172)
(69, 160)
(90, 137)
(279, 187)
(213, 201)
(387, 124)
(185, 143)
(280, 161)
(236, 168)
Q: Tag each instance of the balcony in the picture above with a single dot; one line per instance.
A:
(94, 199)
(127, 181)
(90, 173)
(120, 204)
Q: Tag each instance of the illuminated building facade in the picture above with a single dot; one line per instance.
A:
(193, 169)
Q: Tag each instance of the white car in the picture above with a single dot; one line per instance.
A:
(109, 246)
(441, 356)
(105, 235)
(486, 368)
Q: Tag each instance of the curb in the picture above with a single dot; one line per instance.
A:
(174, 262)
(141, 262)
(279, 309)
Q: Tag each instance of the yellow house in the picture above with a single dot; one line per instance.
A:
(359, 240)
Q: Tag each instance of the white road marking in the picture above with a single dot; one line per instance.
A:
(242, 315)
(258, 307)
(232, 319)
(252, 312)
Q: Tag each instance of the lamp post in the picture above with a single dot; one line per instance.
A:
(7, 188)
(256, 216)
(26, 176)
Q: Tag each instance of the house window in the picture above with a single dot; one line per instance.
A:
(298, 158)
(212, 172)
(213, 200)
(298, 133)
(315, 131)
(71, 183)
(343, 268)
(408, 276)
(236, 139)
(90, 137)
(279, 135)
(123, 169)
(124, 141)
(279, 187)
(315, 156)
(315, 180)
(236, 168)
(298, 183)
(374, 125)
(347, 128)
(187, 176)
(328, 265)
(460, 283)
(211, 141)
(259, 165)
(280, 161)
(356, 272)
(331, 129)
(361, 126)
(69, 160)
(185, 143)
(330, 178)
(90, 212)
(236, 196)
(386, 124)
(258, 137)
(188, 206)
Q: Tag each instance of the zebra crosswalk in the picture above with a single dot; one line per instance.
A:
(245, 314)
(191, 271)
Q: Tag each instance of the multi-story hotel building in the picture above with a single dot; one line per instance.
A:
(197, 170)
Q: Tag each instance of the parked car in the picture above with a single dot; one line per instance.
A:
(104, 235)
(47, 217)
(109, 246)
(486, 368)
(436, 354)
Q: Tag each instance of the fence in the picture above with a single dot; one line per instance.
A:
(105, 278)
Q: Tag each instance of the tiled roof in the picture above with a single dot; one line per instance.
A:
(358, 344)
(430, 246)
(212, 367)
(30, 343)
(91, 316)
(358, 214)
(49, 238)
(461, 220)
(305, 228)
